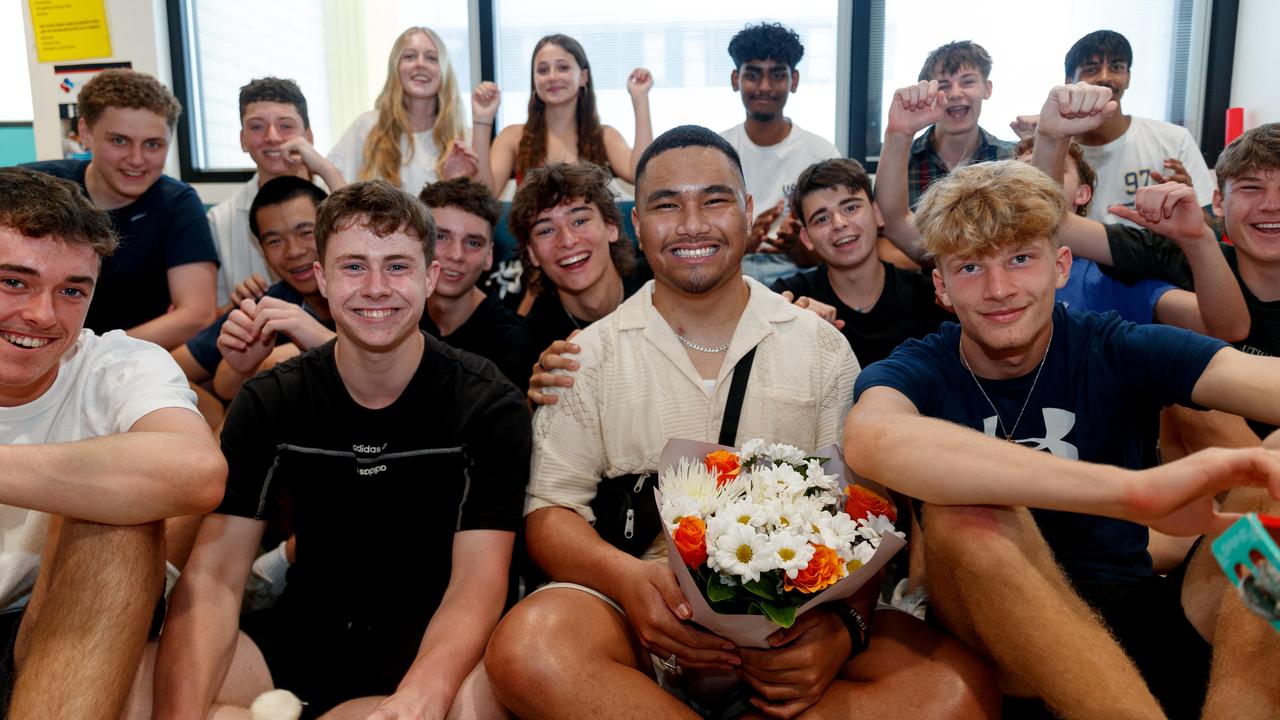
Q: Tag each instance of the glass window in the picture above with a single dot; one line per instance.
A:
(684, 44)
(336, 51)
(15, 101)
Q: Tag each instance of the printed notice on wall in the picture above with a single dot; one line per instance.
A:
(70, 29)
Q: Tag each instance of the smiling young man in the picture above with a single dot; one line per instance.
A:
(879, 304)
(160, 283)
(100, 440)
(458, 312)
(590, 643)
(1063, 598)
(275, 130)
(963, 71)
(351, 430)
(773, 149)
(1128, 152)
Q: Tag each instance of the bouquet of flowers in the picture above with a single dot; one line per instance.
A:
(759, 535)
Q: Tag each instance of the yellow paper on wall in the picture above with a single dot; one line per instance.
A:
(70, 29)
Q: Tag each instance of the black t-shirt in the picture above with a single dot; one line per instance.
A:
(493, 332)
(164, 228)
(905, 309)
(1141, 252)
(1103, 380)
(377, 495)
(548, 320)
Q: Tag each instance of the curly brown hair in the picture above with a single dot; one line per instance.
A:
(37, 205)
(124, 88)
(532, 152)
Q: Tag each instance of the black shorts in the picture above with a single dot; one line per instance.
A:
(327, 661)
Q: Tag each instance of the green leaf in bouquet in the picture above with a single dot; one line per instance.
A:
(717, 591)
(762, 588)
(782, 616)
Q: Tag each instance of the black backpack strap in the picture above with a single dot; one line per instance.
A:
(737, 391)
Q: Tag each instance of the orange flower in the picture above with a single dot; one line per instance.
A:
(823, 571)
(724, 464)
(863, 503)
(691, 540)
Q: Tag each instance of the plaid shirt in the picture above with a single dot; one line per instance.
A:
(925, 166)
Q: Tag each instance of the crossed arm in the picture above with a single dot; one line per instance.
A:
(167, 464)
(193, 288)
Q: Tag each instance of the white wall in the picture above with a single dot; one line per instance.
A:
(1253, 81)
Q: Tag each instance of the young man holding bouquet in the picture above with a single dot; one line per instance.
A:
(659, 367)
(406, 462)
(1063, 598)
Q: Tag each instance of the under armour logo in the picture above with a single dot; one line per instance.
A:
(1058, 423)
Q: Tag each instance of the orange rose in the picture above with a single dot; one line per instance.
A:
(691, 540)
(724, 464)
(864, 503)
(823, 571)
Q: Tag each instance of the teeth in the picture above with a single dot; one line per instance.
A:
(574, 259)
(698, 253)
(374, 314)
(24, 341)
(1268, 226)
(845, 241)
(452, 275)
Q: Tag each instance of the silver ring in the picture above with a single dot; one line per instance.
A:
(670, 663)
(541, 366)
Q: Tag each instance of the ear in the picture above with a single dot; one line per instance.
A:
(244, 145)
(310, 138)
(733, 79)
(1084, 194)
(795, 80)
(875, 210)
(586, 77)
(1062, 263)
(82, 129)
(614, 233)
(804, 239)
(1217, 204)
(940, 288)
(433, 274)
(750, 208)
(987, 94)
(488, 257)
(318, 270)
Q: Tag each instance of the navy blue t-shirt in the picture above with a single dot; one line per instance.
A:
(204, 346)
(164, 228)
(1103, 381)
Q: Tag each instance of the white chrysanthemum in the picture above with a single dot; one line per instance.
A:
(783, 453)
(676, 506)
(874, 527)
(816, 478)
(690, 480)
(744, 512)
(750, 450)
(740, 551)
(792, 553)
(839, 534)
(782, 480)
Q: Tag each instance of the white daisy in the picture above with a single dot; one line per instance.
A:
(792, 553)
(741, 551)
(783, 453)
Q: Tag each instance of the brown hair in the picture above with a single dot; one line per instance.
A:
(122, 88)
(977, 210)
(37, 205)
(467, 196)
(1084, 170)
(382, 148)
(825, 175)
(532, 152)
(380, 207)
(548, 186)
(1258, 149)
(948, 59)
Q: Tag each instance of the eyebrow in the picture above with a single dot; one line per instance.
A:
(386, 258)
(32, 272)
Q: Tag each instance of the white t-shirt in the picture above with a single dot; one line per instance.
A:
(104, 385)
(239, 251)
(1125, 164)
(348, 155)
(771, 171)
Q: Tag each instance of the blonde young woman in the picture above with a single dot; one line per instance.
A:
(415, 133)
(563, 124)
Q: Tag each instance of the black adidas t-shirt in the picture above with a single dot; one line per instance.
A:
(905, 309)
(377, 495)
(1103, 382)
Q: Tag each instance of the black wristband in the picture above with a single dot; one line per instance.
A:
(859, 633)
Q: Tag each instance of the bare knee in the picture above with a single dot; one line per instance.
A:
(985, 539)
(1272, 441)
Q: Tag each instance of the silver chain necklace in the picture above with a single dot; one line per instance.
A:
(999, 422)
(702, 348)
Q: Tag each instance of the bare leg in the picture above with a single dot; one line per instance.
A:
(562, 653)
(247, 678)
(1184, 431)
(357, 709)
(80, 644)
(179, 537)
(996, 586)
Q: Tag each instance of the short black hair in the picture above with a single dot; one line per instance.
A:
(766, 41)
(281, 190)
(687, 136)
(1102, 44)
(274, 89)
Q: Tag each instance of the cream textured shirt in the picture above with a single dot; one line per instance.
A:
(636, 388)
